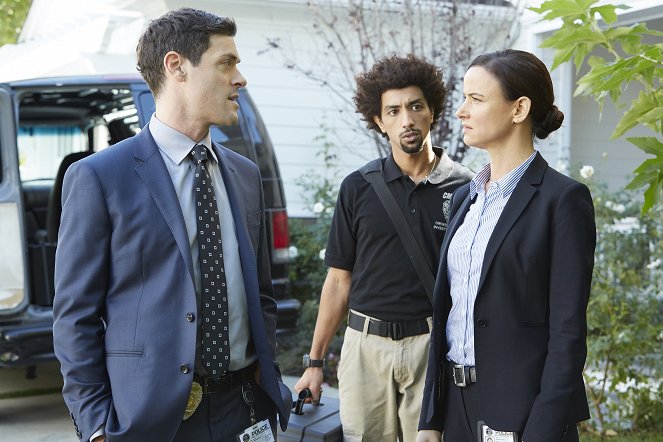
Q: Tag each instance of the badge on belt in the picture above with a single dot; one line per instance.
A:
(487, 434)
(195, 396)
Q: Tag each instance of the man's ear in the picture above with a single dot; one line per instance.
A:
(173, 64)
(521, 109)
(378, 121)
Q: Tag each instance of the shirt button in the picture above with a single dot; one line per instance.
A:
(189, 317)
(413, 210)
(184, 368)
(482, 323)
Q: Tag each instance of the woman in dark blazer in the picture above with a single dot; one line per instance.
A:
(508, 344)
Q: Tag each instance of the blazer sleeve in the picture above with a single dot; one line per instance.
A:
(572, 260)
(81, 278)
(267, 302)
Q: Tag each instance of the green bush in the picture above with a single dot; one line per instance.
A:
(307, 270)
(625, 316)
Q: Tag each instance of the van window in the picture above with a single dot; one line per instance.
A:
(41, 149)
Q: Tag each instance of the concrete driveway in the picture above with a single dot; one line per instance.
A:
(35, 418)
(44, 417)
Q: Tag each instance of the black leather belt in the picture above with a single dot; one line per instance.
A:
(462, 375)
(386, 329)
(226, 382)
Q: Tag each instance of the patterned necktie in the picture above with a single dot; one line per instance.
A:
(215, 349)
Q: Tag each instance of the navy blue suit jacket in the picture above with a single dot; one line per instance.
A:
(124, 286)
(530, 310)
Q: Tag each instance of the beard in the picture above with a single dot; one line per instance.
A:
(415, 146)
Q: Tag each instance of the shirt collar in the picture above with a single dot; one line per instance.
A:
(442, 170)
(506, 184)
(174, 143)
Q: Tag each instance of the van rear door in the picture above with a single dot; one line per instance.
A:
(13, 296)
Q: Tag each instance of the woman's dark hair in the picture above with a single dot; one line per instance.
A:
(185, 31)
(397, 73)
(522, 74)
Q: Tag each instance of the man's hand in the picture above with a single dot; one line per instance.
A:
(429, 436)
(101, 438)
(311, 379)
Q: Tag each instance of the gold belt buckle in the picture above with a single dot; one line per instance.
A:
(195, 396)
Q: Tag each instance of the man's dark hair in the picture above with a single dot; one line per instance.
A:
(397, 73)
(186, 31)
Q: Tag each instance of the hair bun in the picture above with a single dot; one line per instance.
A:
(551, 123)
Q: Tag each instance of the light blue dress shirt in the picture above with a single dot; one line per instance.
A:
(175, 147)
(466, 253)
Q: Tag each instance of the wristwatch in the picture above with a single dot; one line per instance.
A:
(308, 362)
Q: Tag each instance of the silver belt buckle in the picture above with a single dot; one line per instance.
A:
(459, 376)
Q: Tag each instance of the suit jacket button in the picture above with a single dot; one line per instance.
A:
(482, 323)
(189, 317)
(184, 368)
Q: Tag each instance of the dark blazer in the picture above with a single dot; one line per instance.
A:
(530, 310)
(123, 255)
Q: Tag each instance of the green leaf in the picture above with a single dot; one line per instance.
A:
(650, 145)
(553, 9)
(641, 106)
(562, 56)
(651, 196)
(578, 34)
(607, 12)
(653, 119)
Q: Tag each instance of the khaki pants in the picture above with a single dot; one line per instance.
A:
(381, 385)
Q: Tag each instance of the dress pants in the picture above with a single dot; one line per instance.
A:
(221, 417)
(462, 413)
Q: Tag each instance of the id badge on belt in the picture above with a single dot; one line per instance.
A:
(487, 434)
(258, 431)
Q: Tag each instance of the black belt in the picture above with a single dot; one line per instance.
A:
(462, 375)
(386, 329)
(226, 382)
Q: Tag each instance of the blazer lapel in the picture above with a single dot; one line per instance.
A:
(154, 174)
(520, 198)
(246, 253)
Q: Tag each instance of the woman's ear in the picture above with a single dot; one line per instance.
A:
(521, 109)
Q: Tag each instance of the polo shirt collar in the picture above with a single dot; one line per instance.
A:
(441, 172)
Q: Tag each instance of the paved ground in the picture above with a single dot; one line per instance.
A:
(44, 417)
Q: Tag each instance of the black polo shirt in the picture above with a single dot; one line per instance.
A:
(363, 240)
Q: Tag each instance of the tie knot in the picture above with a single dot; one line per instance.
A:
(199, 153)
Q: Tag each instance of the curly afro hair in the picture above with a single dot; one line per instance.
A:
(397, 73)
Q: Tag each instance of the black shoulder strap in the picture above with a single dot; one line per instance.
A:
(372, 172)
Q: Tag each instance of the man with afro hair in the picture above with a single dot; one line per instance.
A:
(371, 279)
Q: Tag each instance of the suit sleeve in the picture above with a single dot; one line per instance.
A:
(267, 302)
(572, 260)
(81, 278)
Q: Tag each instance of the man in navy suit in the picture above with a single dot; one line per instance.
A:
(128, 315)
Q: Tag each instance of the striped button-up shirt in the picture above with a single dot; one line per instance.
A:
(466, 253)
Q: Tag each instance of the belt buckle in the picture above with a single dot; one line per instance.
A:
(206, 384)
(459, 376)
(396, 331)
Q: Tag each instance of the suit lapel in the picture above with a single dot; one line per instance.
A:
(520, 198)
(154, 174)
(246, 253)
(247, 258)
